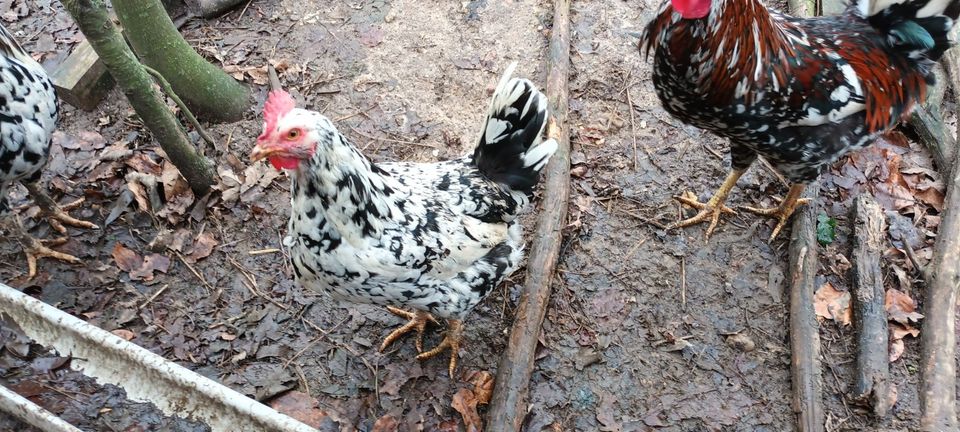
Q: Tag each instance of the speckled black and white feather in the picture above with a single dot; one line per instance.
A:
(28, 116)
(431, 236)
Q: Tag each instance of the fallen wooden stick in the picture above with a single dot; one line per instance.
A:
(927, 123)
(508, 406)
(872, 384)
(938, 376)
(804, 330)
(938, 373)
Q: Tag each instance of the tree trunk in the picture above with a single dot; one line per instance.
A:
(206, 89)
(91, 16)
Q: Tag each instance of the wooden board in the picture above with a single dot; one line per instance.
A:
(82, 79)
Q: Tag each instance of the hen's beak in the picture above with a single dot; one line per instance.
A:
(265, 150)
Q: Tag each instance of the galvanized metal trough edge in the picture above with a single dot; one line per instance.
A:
(144, 375)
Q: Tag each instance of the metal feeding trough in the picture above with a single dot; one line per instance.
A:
(145, 376)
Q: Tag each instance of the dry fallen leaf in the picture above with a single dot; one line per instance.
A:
(897, 333)
(900, 307)
(126, 259)
(151, 263)
(139, 268)
(203, 247)
(387, 423)
(830, 303)
(465, 402)
(124, 334)
(482, 386)
(300, 406)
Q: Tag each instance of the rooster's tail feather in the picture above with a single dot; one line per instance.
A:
(919, 28)
(510, 152)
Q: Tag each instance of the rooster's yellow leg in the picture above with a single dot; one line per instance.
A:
(784, 210)
(418, 322)
(450, 341)
(57, 215)
(713, 208)
(35, 249)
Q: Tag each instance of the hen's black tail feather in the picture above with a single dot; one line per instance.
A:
(510, 151)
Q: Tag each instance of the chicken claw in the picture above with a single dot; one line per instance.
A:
(712, 209)
(451, 341)
(35, 249)
(708, 211)
(418, 321)
(56, 214)
(782, 212)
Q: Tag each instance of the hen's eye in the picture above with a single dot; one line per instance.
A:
(293, 134)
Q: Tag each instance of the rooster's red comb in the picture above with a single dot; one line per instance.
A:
(278, 104)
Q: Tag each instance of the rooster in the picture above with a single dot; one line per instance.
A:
(433, 237)
(799, 92)
(28, 116)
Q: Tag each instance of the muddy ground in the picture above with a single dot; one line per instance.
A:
(648, 329)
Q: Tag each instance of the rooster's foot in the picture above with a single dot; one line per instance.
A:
(782, 212)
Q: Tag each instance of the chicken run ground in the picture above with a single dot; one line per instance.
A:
(647, 329)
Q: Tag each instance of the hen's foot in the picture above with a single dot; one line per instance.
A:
(56, 214)
(58, 217)
(712, 209)
(450, 341)
(418, 322)
(782, 212)
(35, 249)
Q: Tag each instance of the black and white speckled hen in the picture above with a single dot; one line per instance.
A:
(28, 116)
(799, 92)
(433, 237)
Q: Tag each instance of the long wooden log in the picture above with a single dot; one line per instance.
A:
(509, 404)
(938, 342)
(927, 123)
(872, 380)
(938, 372)
(805, 371)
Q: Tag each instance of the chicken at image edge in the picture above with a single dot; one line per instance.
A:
(799, 92)
(28, 116)
(432, 237)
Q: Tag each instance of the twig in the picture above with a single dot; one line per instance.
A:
(251, 284)
(391, 140)
(194, 271)
(168, 89)
(683, 282)
(264, 251)
(154, 296)
(342, 346)
(633, 129)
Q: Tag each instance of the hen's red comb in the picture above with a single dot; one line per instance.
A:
(278, 104)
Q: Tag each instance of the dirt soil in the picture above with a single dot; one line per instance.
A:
(648, 329)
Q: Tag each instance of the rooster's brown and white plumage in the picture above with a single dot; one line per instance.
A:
(800, 92)
(433, 237)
